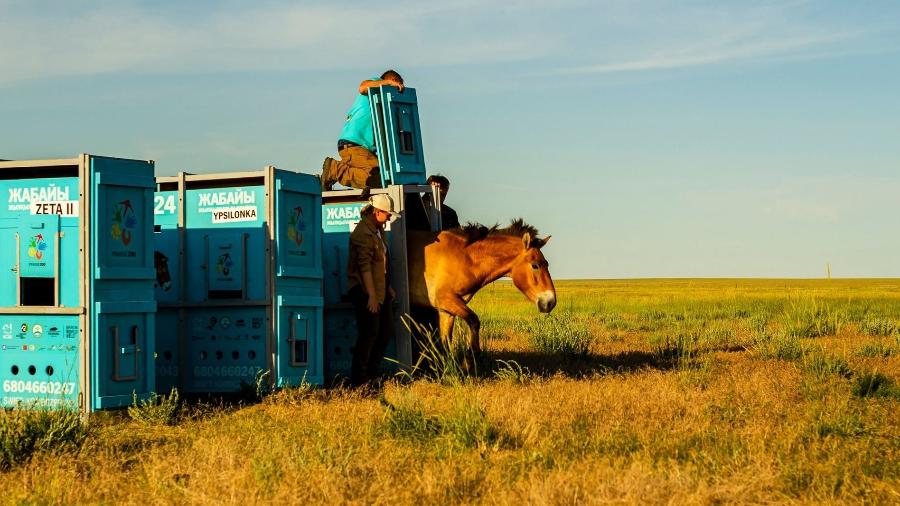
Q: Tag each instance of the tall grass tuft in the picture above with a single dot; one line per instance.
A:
(778, 346)
(467, 426)
(718, 336)
(680, 348)
(406, 419)
(878, 349)
(462, 427)
(757, 322)
(294, 395)
(561, 334)
(875, 384)
(24, 432)
(511, 371)
(442, 363)
(812, 318)
(823, 366)
(878, 326)
(157, 409)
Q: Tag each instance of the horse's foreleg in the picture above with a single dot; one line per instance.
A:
(457, 307)
(474, 350)
(445, 322)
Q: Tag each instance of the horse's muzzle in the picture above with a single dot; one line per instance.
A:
(546, 301)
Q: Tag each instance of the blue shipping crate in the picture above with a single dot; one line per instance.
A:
(248, 278)
(76, 292)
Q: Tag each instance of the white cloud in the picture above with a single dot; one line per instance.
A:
(53, 39)
(679, 37)
(690, 57)
(129, 36)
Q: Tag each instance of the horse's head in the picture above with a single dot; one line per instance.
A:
(531, 274)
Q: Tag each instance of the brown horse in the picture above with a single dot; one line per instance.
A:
(448, 268)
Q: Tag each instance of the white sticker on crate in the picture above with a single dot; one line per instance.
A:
(65, 208)
(234, 214)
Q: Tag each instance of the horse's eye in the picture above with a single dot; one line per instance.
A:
(535, 266)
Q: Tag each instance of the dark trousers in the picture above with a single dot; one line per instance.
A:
(374, 330)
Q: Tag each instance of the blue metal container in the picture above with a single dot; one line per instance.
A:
(398, 138)
(247, 302)
(76, 282)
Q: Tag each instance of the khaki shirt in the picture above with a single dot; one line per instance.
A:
(368, 253)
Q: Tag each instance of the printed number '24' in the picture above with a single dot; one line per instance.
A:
(164, 204)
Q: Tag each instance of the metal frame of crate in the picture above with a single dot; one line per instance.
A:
(340, 323)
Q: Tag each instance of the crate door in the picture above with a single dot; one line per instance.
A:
(298, 350)
(398, 138)
(124, 342)
(298, 216)
(122, 221)
(122, 301)
(38, 260)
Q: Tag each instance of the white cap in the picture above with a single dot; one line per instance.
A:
(384, 202)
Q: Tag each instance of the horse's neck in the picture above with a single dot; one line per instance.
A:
(493, 258)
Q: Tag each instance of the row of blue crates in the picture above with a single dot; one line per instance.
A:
(115, 283)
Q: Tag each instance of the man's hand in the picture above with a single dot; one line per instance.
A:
(398, 85)
(373, 304)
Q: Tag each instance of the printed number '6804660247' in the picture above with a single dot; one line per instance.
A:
(38, 387)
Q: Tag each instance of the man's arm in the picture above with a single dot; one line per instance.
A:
(369, 285)
(365, 85)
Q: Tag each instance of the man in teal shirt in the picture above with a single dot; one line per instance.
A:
(358, 166)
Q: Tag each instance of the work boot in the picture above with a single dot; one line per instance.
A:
(328, 177)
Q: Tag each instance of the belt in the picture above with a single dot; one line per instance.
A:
(345, 144)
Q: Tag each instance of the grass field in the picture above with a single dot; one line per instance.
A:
(650, 391)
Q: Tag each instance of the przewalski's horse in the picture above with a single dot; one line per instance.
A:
(446, 269)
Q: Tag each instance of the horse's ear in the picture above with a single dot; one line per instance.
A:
(526, 240)
(545, 240)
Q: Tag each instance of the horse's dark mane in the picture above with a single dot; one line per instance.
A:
(474, 232)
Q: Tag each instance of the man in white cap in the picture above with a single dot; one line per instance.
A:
(370, 291)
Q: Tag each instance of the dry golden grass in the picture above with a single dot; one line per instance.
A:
(647, 416)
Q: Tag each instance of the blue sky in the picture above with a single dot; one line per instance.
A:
(650, 138)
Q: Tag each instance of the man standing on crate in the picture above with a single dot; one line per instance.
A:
(358, 166)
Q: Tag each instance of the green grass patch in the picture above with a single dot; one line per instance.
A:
(464, 426)
(564, 334)
(823, 366)
(875, 384)
(157, 409)
(24, 432)
(879, 349)
(813, 318)
(778, 346)
(680, 347)
(512, 371)
(878, 326)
